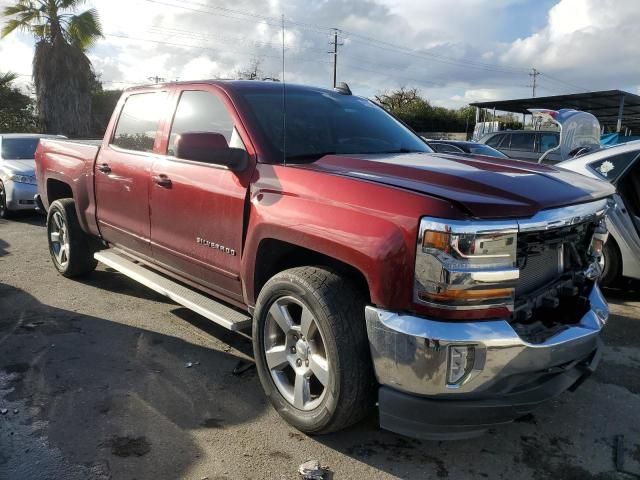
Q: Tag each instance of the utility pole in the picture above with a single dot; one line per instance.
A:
(156, 79)
(335, 44)
(534, 73)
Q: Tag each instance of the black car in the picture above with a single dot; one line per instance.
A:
(457, 146)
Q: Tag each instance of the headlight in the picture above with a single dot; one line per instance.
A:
(600, 236)
(466, 269)
(30, 179)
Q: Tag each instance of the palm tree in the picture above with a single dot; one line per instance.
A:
(6, 79)
(62, 73)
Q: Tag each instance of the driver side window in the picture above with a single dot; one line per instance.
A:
(202, 112)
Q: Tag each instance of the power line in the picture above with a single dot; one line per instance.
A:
(228, 12)
(435, 57)
(557, 80)
(209, 9)
(370, 41)
(162, 30)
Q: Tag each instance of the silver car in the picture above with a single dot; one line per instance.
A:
(620, 165)
(17, 171)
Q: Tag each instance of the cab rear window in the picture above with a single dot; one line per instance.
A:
(139, 121)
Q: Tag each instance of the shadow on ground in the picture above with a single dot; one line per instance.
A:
(105, 395)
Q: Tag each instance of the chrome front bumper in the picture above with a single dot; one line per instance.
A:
(410, 353)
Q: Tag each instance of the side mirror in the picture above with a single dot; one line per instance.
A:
(212, 148)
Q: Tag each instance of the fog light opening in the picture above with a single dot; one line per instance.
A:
(460, 364)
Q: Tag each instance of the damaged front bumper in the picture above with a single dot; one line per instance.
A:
(427, 391)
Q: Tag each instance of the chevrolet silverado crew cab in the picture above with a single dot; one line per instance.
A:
(456, 293)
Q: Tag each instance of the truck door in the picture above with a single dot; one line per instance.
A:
(122, 172)
(197, 208)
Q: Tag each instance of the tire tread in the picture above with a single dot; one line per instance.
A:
(343, 306)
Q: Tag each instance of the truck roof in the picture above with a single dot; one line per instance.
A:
(29, 135)
(237, 85)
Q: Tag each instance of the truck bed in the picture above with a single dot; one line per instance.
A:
(68, 164)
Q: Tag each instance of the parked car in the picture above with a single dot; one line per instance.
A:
(524, 144)
(619, 165)
(456, 293)
(17, 172)
(458, 147)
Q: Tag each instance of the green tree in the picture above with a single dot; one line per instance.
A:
(103, 103)
(61, 70)
(16, 108)
(409, 106)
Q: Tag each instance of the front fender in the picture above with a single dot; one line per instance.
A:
(369, 226)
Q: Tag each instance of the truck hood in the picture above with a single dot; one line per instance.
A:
(483, 186)
(23, 167)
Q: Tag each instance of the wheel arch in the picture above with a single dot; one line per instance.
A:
(274, 256)
(57, 190)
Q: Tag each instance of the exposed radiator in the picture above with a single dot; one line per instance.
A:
(540, 269)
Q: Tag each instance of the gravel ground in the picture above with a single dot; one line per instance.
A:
(94, 379)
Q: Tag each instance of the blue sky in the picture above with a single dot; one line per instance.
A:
(523, 19)
(453, 52)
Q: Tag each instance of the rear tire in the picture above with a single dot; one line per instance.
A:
(4, 210)
(611, 263)
(335, 338)
(69, 246)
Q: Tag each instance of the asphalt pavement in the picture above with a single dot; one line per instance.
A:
(95, 383)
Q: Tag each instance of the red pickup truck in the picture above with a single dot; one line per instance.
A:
(457, 293)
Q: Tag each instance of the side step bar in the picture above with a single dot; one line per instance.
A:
(205, 306)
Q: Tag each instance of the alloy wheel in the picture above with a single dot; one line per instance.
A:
(296, 354)
(59, 239)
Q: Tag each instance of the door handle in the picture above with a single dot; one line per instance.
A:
(162, 180)
(104, 168)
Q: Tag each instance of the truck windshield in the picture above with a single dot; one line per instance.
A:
(320, 123)
(19, 148)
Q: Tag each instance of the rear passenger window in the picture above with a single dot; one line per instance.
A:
(522, 141)
(494, 141)
(139, 120)
(200, 111)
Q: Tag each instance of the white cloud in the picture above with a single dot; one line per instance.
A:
(588, 43)
(454, 53)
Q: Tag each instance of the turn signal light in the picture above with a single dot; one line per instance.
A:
(436, 240)
(460, 296)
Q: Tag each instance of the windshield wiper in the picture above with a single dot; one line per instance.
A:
(403, 150)
(309, 156)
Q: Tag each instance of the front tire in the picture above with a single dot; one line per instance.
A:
(69, 246)
(311, 349)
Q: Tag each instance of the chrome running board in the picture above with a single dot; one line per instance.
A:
(215, 311)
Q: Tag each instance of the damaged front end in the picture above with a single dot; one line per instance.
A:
(454, 374)
(558, 269)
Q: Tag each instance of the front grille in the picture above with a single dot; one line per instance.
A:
(540, 268)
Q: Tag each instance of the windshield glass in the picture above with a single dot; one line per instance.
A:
(485, 150)
(19, 148)
(321, 123)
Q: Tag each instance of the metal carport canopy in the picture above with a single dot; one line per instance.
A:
(608, 106)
